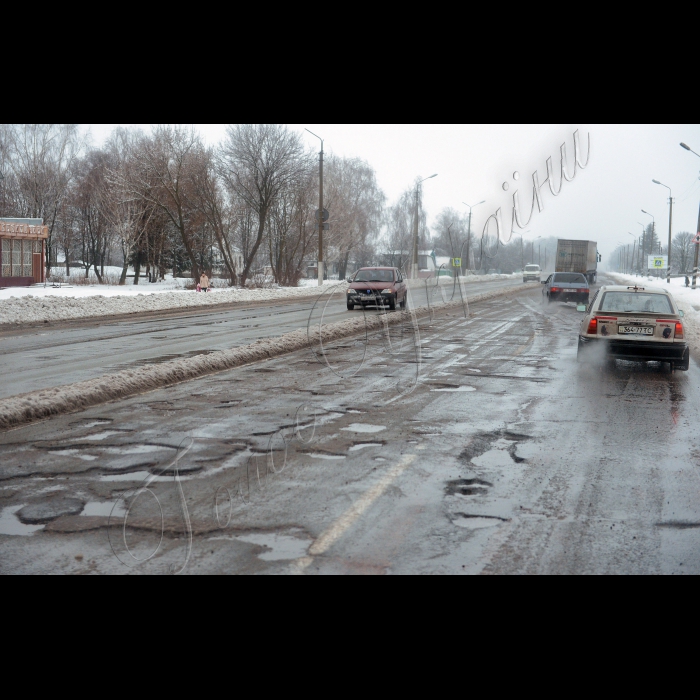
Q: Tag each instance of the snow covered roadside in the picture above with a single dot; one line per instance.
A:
(39, 304)
(688, 301)
(33, 406)
(36, 304)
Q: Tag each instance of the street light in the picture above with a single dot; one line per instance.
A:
(469, 226)
(643, 247)
(670, 219)
(633, 248)
(651, 242)
(695, 264)
(414, 271)
(320, 210)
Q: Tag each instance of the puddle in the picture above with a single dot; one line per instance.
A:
(136, 449)
(456, 388)
(10, 525)
(476, 522)
(104, 434)
(91, 424)
(278, 547)
(320, 455)
(74, 453)
(493, 459)
(364, 428)
(354, 410)
(354, 448)
(104, 508)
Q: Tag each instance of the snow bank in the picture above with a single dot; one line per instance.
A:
(26, 408)
(39, 304)
(36, 304)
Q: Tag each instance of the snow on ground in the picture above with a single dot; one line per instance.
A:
(46, 303)
(688, 300)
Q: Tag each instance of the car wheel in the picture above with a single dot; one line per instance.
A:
(392, 304)
(351, 307)
(403, 303)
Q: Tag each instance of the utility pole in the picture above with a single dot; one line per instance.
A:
(320, 210)
(469, 225)
(697, 245)
(414, 266)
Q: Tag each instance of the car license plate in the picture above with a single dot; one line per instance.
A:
(571, 290)
(639, 330)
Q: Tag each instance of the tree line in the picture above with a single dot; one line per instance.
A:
(166, 201)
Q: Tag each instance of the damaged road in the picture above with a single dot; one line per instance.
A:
(451, 445)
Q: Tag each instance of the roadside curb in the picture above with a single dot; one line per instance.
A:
(38, 405)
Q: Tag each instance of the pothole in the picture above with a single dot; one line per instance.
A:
(364, 428)
(466, 487)
(475, 521)
(361, 445)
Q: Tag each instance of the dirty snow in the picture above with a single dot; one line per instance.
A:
(46, 303)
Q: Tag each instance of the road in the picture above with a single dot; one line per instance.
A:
(41, 358)
(496, 454)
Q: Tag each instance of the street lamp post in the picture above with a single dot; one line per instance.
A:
(643, 247)
(653, 231)
(633, 260)
(414, 266)
(469, 225)
(320, 210)
(695, 263)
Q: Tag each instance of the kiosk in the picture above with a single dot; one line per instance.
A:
(22, 252)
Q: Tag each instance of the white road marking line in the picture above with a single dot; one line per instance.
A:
(333, 533)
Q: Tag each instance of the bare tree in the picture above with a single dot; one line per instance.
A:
(682, 251)
(42, 159)
(259, 162)
(164, 167)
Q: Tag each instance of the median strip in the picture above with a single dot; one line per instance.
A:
(45, 403)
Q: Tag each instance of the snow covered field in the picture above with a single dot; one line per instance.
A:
(38, 304)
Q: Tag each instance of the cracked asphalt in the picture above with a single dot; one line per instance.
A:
(490, 451)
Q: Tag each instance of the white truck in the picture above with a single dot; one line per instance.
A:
(577, 256)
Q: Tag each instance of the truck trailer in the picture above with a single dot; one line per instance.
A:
(577, 256)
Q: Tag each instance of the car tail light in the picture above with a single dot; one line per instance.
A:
(679, 330)
(554, 289)
(592, 326)
(585, 291)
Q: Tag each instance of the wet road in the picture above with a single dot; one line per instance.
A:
(496, 453)
(40, 358)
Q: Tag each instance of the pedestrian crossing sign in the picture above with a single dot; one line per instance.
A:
(456, 262)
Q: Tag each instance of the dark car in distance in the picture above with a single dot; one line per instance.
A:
(377, 286)
(566, 286)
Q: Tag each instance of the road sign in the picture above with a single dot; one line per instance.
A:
(325, 215)
(657, 262)
(456, 262)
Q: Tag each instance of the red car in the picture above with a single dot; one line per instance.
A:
(377, 286)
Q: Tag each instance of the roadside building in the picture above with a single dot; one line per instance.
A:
(22, 251)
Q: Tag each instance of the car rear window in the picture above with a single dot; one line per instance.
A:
(569, 278)
(532, 268)
(635, 302)
(372, 275)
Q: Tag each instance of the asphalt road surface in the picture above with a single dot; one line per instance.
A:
(496, 453)
(66, 352)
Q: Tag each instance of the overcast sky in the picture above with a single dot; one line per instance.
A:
(603, 202)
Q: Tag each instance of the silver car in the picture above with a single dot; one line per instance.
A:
(633, 323)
